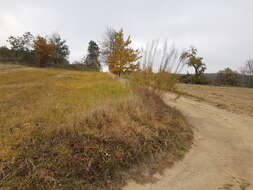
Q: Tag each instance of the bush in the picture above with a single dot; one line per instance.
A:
(193, 79)
(75, 66)
(247, 73)
(6, 52)
(161, 81)
(157, 68)
(9, 55)
(227, 77)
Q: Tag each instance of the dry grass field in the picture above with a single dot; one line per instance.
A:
(50, 97)
(236, 99)
(81, 130)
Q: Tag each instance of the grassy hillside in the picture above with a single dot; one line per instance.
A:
(45, 97)
(80, 130)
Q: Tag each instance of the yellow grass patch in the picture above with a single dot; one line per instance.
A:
(81, 130)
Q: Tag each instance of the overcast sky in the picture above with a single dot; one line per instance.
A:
(221, 30)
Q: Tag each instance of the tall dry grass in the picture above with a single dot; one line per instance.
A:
(161, 57)
(158, 67)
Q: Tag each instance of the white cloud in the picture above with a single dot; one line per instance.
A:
(10, 25)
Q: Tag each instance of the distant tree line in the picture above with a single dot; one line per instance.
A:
(49, 51)
(229, 77)
(226, 77)
(52, 51)
(116, 52)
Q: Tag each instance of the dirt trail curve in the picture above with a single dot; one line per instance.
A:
(222, 154)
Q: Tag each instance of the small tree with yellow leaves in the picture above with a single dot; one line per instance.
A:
(122, 58)
(192, 60)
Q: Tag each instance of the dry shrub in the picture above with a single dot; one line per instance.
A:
(160, 81)
(96, 151)
(159, 65)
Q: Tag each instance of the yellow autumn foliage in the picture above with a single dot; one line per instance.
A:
(122, 58)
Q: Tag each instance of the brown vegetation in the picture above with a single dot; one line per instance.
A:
(236, 99)
(44, 51)
(227, 77)
(247, 72)
(81, 130)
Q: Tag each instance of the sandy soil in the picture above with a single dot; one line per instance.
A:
(222, 155)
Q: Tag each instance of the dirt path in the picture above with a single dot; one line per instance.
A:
(222, 155)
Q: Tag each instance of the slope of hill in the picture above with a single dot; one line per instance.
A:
(81, 130)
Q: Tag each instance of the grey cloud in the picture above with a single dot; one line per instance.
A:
(220, 29)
